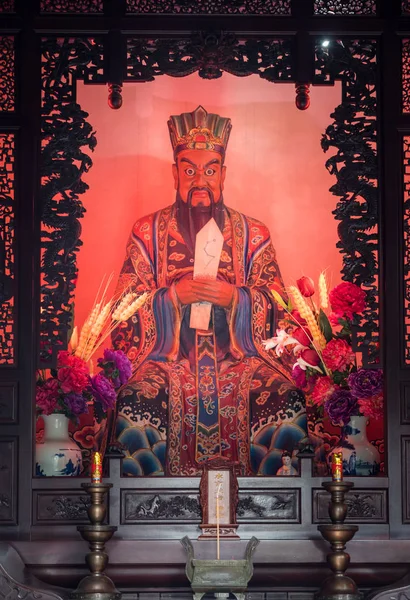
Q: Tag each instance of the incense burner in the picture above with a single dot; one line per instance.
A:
(219, 576)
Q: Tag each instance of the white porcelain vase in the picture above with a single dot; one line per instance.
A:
(360, 457)
(58, 455)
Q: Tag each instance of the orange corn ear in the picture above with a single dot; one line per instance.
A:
(307, 314)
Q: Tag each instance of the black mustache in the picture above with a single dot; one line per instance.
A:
(200, 189)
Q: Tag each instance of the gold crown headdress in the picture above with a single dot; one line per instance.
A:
(199, 130)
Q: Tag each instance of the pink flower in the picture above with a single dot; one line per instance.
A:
(372, 407)
(306, 286)
(46, 396)
(299, 376)
(324, 388)
(347, 299)
(338, 355)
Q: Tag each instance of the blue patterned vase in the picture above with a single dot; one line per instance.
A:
(58, 455)
(360, 457)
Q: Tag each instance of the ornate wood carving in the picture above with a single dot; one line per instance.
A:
(353, 134)
(406, 245)
(71, 6)
(63, 507)
(7, 6)
(345, 7)
(363, 506)
(210, 7)
(7, 74)
(8, 481)
(8, 403)
(405, 469)
(7, 250)
(66, 138)
(159, 506)
(210, 55)
(269, 505)
(405, 74)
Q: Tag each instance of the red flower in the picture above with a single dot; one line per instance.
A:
(311, 357)
(300, 335)
(46, 396)
(338, 355)
(297, 318)
(324, 388)
(72, 379)
(347, 299)
(66, 359)
(334, 318)
(306, 286)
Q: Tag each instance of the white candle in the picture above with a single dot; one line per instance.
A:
(218, 489)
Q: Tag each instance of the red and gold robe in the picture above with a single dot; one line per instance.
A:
(201, 395)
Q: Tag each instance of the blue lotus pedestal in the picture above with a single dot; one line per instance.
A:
(221, 577)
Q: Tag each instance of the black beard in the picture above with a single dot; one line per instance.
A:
(191, 219)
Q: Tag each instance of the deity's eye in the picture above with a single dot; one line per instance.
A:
(209, 172)
(190, 171)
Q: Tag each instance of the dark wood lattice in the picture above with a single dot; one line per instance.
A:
(210, 55)
(353, 134)
(7, 6)
(211, 7)
(406, 246)
(7, 257)
(345, 7)
(65, 132)
(405, 75)
(7, 74)
(72, 6)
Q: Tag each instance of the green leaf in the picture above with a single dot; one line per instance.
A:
(325, 326)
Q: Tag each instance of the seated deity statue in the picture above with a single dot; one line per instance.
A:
(216, 393)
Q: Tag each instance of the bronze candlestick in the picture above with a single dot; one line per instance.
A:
(97, 585)
(338, 586)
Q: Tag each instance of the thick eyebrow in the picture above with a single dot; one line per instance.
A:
(214, 161)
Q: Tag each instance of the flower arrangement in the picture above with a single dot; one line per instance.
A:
(318, 331)
(72, 385)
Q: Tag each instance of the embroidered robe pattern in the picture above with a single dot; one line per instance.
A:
(201, 395)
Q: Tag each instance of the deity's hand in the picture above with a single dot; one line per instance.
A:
(185, 290)
(214, 291)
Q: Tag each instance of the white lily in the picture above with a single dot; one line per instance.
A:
(280, 341)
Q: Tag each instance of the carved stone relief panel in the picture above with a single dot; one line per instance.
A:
(363, 506)
(161, 506)
(269, 506)
(62, 507)
(8, 403)
(8, 481)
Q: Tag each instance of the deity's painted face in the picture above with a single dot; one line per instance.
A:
(199, 176)
(286, 460)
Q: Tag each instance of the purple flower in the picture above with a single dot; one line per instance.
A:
(76, 403)
(103, 391)
(340, 406)
(366, 382)
(117, 367)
